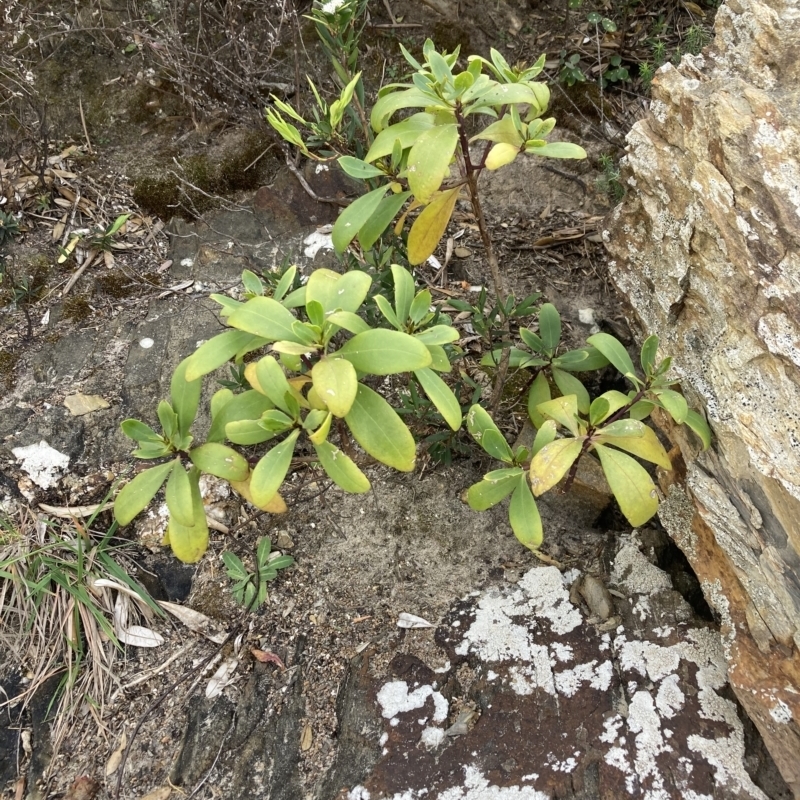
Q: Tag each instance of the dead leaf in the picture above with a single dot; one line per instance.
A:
(406, 620)
(695, 9)
(195, 621)
(162, 793)
(116, 757)
(79, 404)
(266, 657)
(222, 677)
(83, 788)
(306, 738)
(135, 635)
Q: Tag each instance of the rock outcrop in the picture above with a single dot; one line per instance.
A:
(707, 249)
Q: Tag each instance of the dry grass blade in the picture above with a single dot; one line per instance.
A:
(58, 589)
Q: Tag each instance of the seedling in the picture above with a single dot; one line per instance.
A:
(250, 588)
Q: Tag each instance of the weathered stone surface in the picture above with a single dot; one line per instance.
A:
(706, 248)
(536, 702)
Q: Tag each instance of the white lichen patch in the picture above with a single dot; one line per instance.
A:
(395, 698)
(598, 676)
(44, 464)
(476, 787)
(316, 241)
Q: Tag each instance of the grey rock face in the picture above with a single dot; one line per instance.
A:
(706, 249)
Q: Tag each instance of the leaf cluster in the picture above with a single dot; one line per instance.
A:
(408, 163)
(312, 384)
(571, 425)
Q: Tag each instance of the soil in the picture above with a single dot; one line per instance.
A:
(411, 545)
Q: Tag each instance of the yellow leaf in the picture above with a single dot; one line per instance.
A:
(552, 462)
(501, 154)
(277, 505)
(430, 226)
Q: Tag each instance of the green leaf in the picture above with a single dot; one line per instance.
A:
(356, 168)
(556, 150)
(217, 459)
(229, 305)
(613, 350)
(270, 472)
(264, 317)
(336, 384)
(387, 210)
(292, 348)
(649, 354)
(337, 292)
(168, 419)
(152, 450)
(504, 94)
(552, 463)
(138, 431)
(674, 403)
(598, 410)
(406, 132)
(539, 393)
(420, 306)
(430, 225)
(136, 495)
(249, 405)
(188, 543)
(185, 397)
(179, 495)
(549, 327)
(613, 401)
(569, 384)
(438, 334)
(349, 321)
(545, 435)
(489, 492)
(235, 568)
(252, 283)
(645, 445)
(504, 130)
(564, 410)
(354, 217)
(404, 289)
(276, 421)
(388, 312)
(390, 103)
(380, 431)
(440, 394)
(341, 469)
(630, 484)
(429, 160)
(483, 430)
(309, 332)
(385, 352)
(583, 360)
(285, 283)
(628, 428)
(247, 432)
(439, 360)
(532, 340)
(524, 516)
(698, 424)
(267, 376)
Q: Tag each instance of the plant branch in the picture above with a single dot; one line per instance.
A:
(498, 278)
